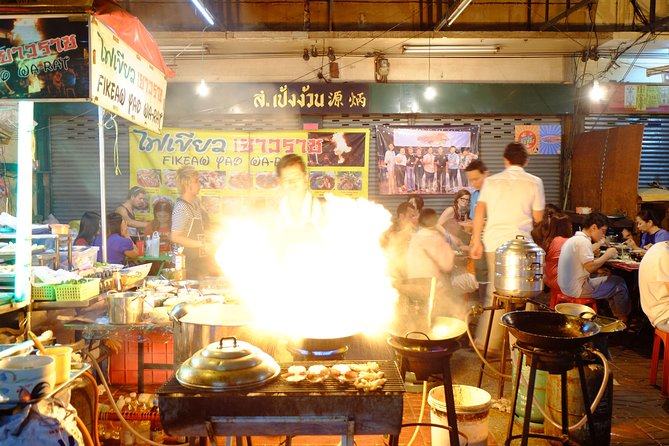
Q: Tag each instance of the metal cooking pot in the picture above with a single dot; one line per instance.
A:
(197, 325)
(551, 331)
(443, 333)
(228, 365)
(519, 268)
(125, 307)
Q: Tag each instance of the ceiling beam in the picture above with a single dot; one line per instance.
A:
(656, 25)
(552, 22)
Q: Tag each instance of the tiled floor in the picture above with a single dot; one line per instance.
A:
(639, 411)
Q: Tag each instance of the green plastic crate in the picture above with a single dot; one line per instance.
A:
(43, 292)
(78, 291)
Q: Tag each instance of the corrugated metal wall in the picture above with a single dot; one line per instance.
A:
(654, 148)
(74, 153)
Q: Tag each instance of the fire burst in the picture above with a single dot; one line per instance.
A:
(318, 282)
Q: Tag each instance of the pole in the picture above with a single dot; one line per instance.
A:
(24, 202)
(103, 193)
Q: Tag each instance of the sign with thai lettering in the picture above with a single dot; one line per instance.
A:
(540, 139)
(633, 98)
(44, 57)
(238, 165)
(322, 98)
(123, 82)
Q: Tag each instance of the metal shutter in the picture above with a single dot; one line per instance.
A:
(496, 133)
(654, 148)
(75, 184)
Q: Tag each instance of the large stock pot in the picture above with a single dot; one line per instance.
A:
(519, 268)
(199, 324)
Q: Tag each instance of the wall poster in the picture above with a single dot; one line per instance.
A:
(540, 139)
(238, 168)
(426, 160)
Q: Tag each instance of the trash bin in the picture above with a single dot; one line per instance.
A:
(471, 409)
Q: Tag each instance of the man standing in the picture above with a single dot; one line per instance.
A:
(577, 261)
(654, 285)
(389, 162)
(511, 200)
(136, 201)
(476, 173)
(453, 165)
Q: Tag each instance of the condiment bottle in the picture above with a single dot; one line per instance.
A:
(116, 281)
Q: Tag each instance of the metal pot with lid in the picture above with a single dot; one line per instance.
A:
(519, 268)
(228, 364)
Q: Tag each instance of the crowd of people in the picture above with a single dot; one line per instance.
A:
(424, 169)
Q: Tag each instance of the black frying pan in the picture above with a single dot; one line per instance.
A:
(444, 332)
(551, 331)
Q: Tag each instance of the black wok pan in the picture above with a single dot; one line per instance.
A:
(551, 331)
(444, 333)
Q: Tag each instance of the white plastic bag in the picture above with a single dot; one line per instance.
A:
(152, 246)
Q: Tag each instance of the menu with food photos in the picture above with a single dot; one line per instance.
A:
(236, 165)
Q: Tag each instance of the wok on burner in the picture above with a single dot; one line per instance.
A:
(551, 331)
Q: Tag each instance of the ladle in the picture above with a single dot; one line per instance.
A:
(37, 342)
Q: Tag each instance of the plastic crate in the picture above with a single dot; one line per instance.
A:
(43, 292)
(78, 291)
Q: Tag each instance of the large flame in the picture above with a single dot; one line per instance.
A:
(325, 282)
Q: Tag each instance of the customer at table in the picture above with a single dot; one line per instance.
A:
(654, 285)
(558, 232)
(189, 225)
(161, 223)
(89, 228)
(577, 263)
(136, 201)
(511, 200)
(119, 244)
(651, 233)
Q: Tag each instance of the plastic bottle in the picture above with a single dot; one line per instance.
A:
(156, 429)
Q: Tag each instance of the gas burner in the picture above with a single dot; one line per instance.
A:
(300, 354)
(552, 361)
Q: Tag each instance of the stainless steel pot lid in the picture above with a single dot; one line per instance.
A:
(228, 365)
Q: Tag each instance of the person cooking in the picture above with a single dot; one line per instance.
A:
(297, 207)
(189, 222)
(651, 232)
(136, 201)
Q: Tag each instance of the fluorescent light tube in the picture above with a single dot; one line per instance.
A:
(450, 49)
(206, 14)
(184, 49)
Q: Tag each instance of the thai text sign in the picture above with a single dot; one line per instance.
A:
(236, 165)
(123, 82)
(331, 98)
(44, 58)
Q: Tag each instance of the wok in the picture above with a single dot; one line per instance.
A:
(444, 332)
(321, 344)
(551, 331)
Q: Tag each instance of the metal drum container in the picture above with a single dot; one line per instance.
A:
(519, 268)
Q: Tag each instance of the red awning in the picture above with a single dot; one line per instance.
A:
(129, 29)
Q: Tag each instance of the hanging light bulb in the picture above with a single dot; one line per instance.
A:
(597, 92)
(430, 93)
(202, 89)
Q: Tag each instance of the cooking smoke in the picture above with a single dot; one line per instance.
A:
(328, 280)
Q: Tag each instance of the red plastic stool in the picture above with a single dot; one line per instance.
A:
(660, 336)
(563, 298)
(555, 292)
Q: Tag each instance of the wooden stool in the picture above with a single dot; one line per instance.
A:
(590, 302)
(660, 336)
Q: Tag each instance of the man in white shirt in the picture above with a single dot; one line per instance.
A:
(654, 285)
(577, 262)
(511, 200)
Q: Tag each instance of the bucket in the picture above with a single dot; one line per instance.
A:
(471, 410)
(62, 356)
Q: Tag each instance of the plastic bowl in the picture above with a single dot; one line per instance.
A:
(25, 378)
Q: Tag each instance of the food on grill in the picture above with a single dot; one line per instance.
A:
(367, 367)
(266, 180)
(296, 373)
(294, 378)
(321, 181)
(241, 180)
(343, 373)
(148, 177)
(317, 373)
(369, 381)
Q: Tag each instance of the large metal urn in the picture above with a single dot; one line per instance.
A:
(519, 268)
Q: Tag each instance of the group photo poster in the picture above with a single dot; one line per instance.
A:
(425, 160)
(240, 167)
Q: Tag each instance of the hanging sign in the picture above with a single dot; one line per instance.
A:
(44, 58)
(123, 82)
(236, 165)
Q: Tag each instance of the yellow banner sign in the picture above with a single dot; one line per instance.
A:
(237, 166)
(123, 82)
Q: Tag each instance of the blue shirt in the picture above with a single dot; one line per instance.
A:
(660, 236)
(472, 203)
(116, 247)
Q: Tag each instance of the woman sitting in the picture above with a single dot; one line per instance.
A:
(559, 230)
(161, 223)
(119, 244)
(455, 217)
(651, 233)
(89, 228)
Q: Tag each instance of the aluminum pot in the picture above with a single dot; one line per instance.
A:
(519, 268)
(199, 324)
(125, 307)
